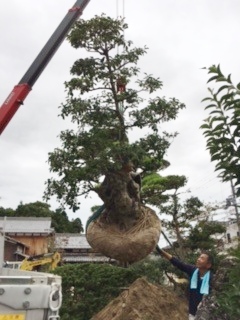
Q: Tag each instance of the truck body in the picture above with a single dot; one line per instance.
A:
(29, 295)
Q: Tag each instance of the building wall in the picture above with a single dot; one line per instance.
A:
(9, 249)
(37, 244)
(232, 234)
(232, 230)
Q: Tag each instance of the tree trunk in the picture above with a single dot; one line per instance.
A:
(126, 230)
(121, 195)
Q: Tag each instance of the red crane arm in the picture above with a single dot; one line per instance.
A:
(20, 91)
(12, 103)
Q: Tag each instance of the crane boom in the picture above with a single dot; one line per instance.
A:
(22, 89)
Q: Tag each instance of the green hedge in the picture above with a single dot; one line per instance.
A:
(87, 288)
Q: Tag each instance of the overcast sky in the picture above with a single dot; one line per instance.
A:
(182, 36)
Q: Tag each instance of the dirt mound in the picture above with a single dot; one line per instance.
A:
(145, 301)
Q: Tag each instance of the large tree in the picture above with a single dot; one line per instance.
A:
(190, 221)
(107, 98)
(33, 209)
(180, 214)
(203, 235)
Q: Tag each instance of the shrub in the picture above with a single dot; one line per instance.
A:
(229, 297)
(87, 288)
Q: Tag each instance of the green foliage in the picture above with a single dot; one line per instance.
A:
(34, 209)
(8, 212)
(87, 288)
(103, 116)
(154, 185)
(181, 214)
(153, 270)
(96, 285)
(222, 127)
(60, 221)
(200, 236)
(164, 192)
(229, 297)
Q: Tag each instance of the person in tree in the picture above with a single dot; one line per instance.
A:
(200, 276)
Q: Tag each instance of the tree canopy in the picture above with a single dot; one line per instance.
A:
(108, 99)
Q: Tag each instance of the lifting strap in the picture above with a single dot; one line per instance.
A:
(94, 216)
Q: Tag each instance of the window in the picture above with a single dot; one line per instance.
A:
(229, 238)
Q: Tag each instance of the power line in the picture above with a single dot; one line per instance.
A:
(210, 176)
(207, 182)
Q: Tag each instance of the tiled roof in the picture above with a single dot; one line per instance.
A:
(25, 225)
(71, 241)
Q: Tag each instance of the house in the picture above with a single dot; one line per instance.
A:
(26, 236)
(232, 235)
(14, 250)
(230, 238)
(31, 236)
(74, 248)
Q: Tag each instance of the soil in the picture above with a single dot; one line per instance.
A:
(145, 301)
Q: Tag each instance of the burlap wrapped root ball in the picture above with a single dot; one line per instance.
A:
(125, 246)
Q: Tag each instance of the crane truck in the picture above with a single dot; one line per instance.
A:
(28, 295)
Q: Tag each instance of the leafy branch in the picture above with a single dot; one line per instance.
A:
(222, 127)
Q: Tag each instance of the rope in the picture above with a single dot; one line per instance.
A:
(147, 220)
(117, 14)
(123, 8)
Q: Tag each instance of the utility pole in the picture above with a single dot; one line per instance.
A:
(234, 202)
